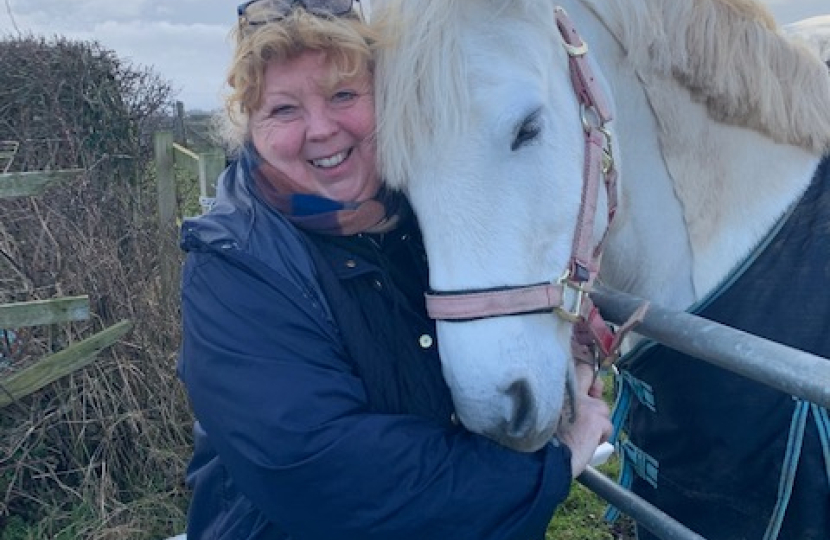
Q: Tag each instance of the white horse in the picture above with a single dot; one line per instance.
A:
(719, 124)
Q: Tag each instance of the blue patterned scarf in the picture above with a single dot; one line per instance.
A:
(319, 214)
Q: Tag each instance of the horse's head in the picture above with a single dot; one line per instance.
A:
(482, 127)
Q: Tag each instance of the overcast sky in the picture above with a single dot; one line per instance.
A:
(185, 41)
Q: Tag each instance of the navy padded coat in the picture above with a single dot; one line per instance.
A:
(313, 374)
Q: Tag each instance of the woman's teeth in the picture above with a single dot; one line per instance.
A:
(329, 162)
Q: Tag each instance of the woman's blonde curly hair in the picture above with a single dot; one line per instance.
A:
(347, 42)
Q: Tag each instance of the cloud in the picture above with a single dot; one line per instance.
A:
(82, 13)
(192, 56)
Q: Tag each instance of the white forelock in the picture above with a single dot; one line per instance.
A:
(424, 93)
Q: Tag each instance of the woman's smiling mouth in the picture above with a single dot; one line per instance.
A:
(332, 161)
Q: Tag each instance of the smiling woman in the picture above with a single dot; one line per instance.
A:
(315, 136)
(307, 353)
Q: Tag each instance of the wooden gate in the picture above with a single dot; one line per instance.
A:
(47, 312)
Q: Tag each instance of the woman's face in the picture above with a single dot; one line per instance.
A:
(319, 136)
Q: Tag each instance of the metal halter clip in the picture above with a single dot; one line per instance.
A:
(575, 51)
(607, 151)
(590, 119)
(571, 307)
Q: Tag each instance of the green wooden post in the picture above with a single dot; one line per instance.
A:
(167, 210)
(165, 178)
(191, 161)
(211, 165)
(181, 126)
(43, 312)
(55, 366)
(27, 184)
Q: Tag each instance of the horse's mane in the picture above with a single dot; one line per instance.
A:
(424, 89)
(422, 34)
(729, 53)
(733, 57)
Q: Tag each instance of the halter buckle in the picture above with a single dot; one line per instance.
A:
(573, 298)
(607, 151)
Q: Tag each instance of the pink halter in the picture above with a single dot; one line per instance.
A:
(592, 339)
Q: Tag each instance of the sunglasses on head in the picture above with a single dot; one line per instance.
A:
(274, 10)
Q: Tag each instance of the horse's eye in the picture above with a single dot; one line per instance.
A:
(528, 131)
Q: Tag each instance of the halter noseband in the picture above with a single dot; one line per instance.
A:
(592, 340)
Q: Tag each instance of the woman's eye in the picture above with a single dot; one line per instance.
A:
(282, 110)
(344, 96)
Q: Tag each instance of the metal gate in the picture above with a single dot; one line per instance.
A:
(805, 376)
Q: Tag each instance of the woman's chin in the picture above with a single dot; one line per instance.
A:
(352, 190)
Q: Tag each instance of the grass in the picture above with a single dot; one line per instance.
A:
(580, 517)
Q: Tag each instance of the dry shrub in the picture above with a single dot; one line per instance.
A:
(101, 453)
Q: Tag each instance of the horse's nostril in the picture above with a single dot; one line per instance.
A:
(523, 412)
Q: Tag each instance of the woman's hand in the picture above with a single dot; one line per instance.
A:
(591, 425)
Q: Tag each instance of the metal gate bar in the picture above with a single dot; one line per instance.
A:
(646, 515)
(795, 372)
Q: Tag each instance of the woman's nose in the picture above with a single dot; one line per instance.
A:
(321, 125)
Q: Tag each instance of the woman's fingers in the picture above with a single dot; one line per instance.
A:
(587, 381)
(584, 377)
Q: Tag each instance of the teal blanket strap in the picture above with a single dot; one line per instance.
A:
(788, 470)
(622, 404)
(619, 411)
(632, 459)
(628, 386)
(823, 424)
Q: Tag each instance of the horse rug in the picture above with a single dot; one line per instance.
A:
(726, 456)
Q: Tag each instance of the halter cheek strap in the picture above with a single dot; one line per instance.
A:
(592, 339)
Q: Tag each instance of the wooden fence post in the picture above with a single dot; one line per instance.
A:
(181, 125)
(167, 210)
(60, 364)
(30, 184)
(211, 165)
(44, 312)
